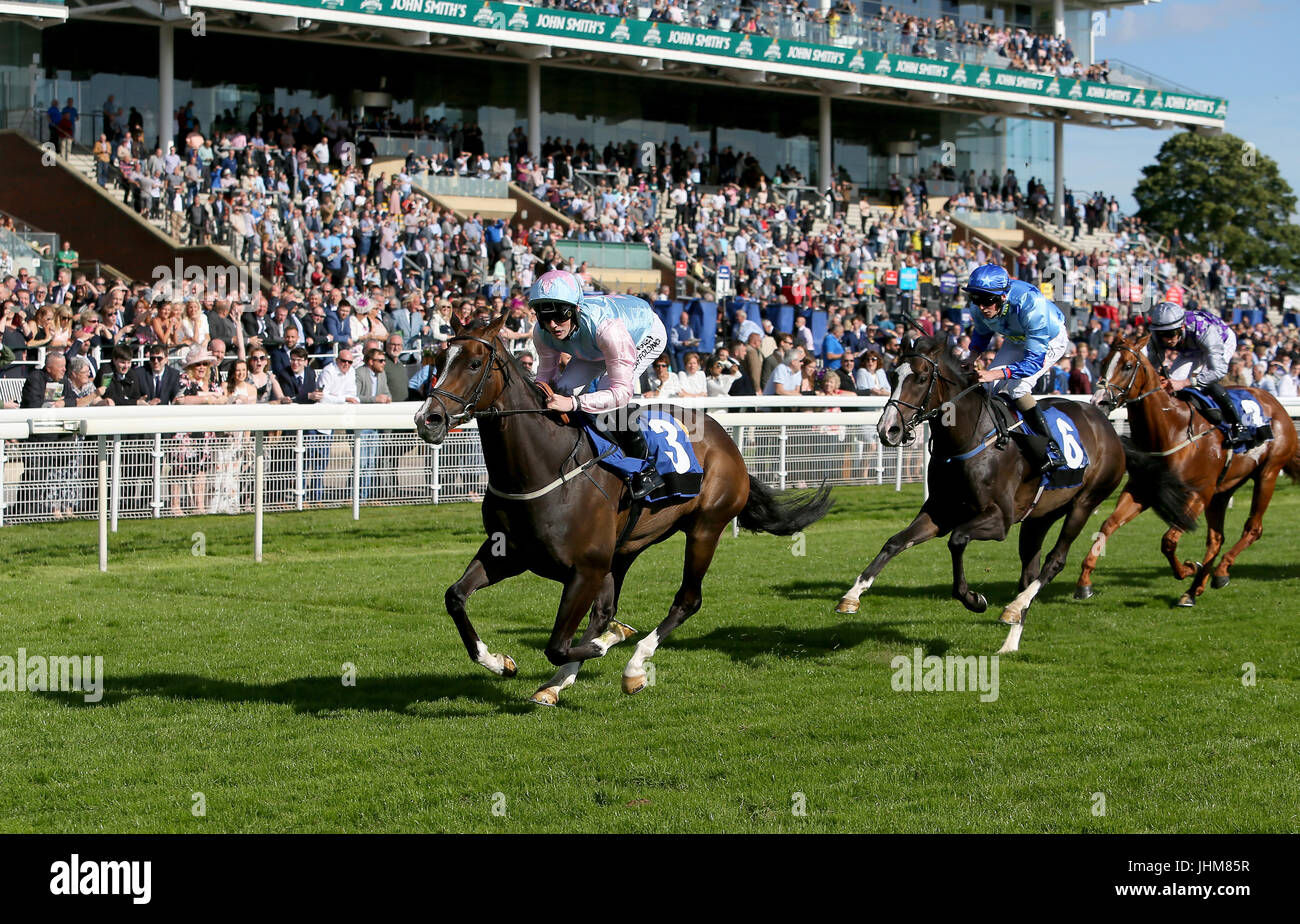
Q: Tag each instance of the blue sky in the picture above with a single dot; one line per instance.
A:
(1242, 50)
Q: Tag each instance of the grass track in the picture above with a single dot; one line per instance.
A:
(225, 678)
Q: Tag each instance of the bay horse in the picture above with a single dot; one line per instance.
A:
(980, 485)
(551, 509)
(1181, 472)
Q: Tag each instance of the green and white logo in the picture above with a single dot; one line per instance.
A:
(773, 52)
(746, 48)
(621, 31)
(984, 80)
(1222, 111)
(1140, 100)
(485, 17)
(1054, 88)
(652, 36)
(959, 75)
(1076, 91)
(884, 67)
(519, 21)
(1159, 101)
(858, 63)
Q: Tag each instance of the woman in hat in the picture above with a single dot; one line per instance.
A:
(192, 453)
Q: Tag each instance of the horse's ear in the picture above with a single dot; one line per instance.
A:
(455, 324)
(1142, 341)
(495, 327)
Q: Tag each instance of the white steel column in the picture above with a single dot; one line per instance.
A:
(824, 143)
(1058, 159)
(166, 83)
(535, 110)
(1058, 18)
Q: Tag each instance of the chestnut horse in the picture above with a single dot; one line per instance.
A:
(551, 509)
(1186, 467)
(979, 490)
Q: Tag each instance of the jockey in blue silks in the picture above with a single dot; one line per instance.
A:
(612, 338)
(1034, 340)
(1204, 346)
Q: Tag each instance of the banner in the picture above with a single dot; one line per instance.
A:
(650, 37)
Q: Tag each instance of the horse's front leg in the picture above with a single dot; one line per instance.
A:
(990, 524)
(1126, 509)
(579, 595)
(919, 530)
(484, 570)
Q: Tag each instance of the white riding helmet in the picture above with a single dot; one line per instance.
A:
(1167, 316)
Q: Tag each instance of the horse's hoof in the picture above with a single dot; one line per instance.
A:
(622, 630)
(1186, 600)
(546, 696)
(1218, 583)
(1084, 592)
(847, 605)
(508, 666)
(633, 685)
(976, 603)
(1010, 617)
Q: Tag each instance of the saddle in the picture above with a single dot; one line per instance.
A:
(1207, 408)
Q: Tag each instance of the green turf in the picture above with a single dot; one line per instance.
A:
(225, 678)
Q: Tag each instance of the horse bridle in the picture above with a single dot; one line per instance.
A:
(1112, 393)
(469, 405)
(921, 415)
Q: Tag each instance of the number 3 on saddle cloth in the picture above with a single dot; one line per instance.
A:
(669, 449)
(1067, 437)
(1256, 428)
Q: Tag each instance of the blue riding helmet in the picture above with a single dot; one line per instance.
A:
(556, 294)
(990, 279)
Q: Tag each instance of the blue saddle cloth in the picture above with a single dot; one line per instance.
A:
(669, 448)
(1067, 437)
(1256, 426)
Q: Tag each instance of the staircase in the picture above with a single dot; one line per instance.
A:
(1063, 237)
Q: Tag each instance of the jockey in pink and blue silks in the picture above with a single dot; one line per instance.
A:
(609, 338)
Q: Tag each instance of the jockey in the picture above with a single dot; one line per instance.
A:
(1034, 340)
(613, 338)
(1204, 345)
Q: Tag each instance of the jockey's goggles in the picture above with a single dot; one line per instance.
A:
(984, 299)
(554, 311)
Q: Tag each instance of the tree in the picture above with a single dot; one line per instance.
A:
(1219, 190)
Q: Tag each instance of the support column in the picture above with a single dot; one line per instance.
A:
(1058, 18)
(825, 143)
(535, 110)
(1058, 167)
(166, 83)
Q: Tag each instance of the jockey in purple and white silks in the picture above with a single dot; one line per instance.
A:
(1034, 339)
(610, 338)
(1204, 346)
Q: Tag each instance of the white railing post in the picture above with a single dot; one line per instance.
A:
(356, 474)
(3, 461)
(880, 462)
(297, 468)
(259, 486)
(437, 478)
(103, 501)
(781, 458)
(117, 481)
(898, 469)
(157, 476)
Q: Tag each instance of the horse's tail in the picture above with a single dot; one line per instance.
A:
(1154, 483)
(782, 513)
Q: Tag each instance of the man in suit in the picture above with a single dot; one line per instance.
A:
(256, 323)
(38, 455)
(372, 388)
(121, 385)
(299, 385)
(280, 356)
(159, 382)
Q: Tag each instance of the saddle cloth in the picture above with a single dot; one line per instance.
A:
(669, 449)
(1067, 437)
(1257, 427)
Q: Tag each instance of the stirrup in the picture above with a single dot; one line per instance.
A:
(644, 483)
(1053, 460)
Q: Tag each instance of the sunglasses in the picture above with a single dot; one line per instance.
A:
(985, 299)
(344, 362)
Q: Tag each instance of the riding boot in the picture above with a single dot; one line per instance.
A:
(631, 440)
(1235, 428)
(1054, 458)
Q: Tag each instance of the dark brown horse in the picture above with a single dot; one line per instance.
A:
(551, 509)
(978, 490)
(1186, 467)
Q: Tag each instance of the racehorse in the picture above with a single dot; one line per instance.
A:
(980, 484)
(1181, 473)
(551, 509)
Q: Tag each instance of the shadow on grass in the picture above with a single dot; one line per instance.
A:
(745, 644)
(315, 695)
